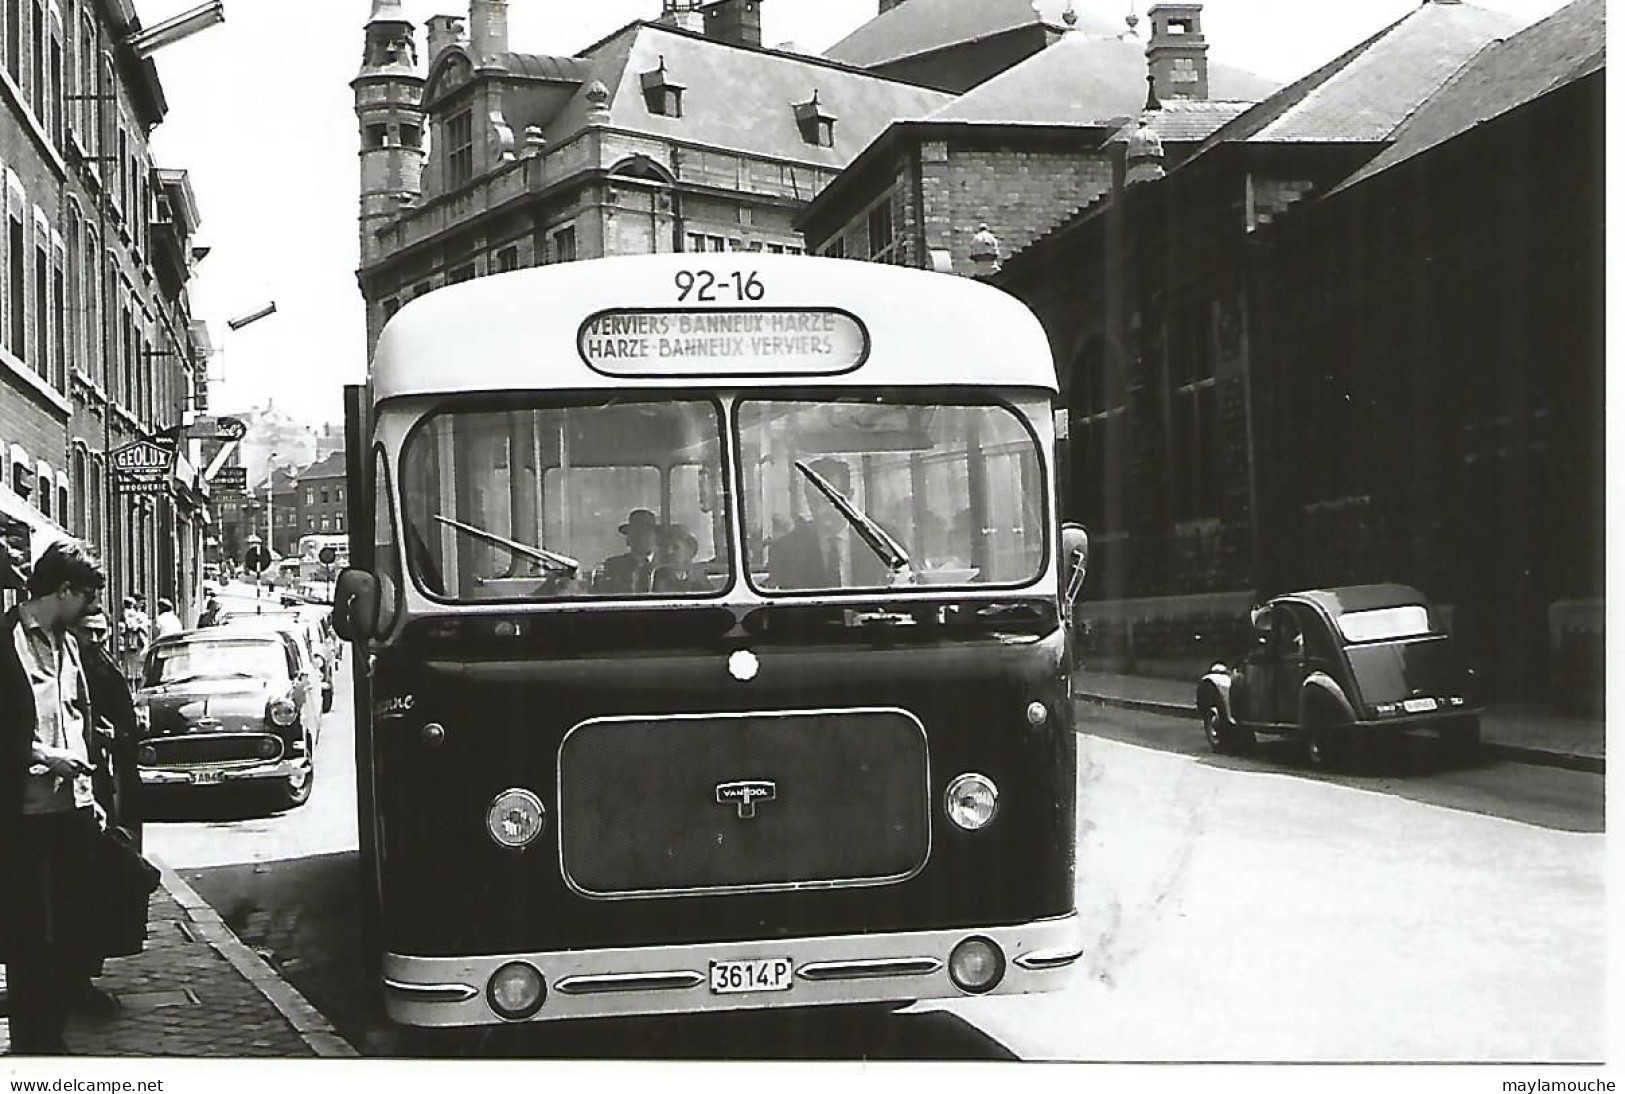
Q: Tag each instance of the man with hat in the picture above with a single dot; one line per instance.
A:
(632, 573)
(821, 552)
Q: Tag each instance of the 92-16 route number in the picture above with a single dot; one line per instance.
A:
(707, 288)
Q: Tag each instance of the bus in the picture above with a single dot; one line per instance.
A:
(319, 559)
(711, 645)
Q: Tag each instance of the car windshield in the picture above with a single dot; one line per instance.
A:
(870, 493)
(1386, 624)
(544, 501)
(186, 661)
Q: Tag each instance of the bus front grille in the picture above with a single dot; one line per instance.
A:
(684, 805)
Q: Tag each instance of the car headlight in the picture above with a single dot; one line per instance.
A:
(972, 801)
(516, 818)
(284, 713)
(146, 756)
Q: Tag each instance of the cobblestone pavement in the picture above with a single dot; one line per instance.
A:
(197, 991)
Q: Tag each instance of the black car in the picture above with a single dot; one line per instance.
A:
(1342, 669)
(228, 707)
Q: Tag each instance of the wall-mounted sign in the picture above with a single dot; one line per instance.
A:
(218, 429)
(737, 342)
(142, 467)
(230, 480)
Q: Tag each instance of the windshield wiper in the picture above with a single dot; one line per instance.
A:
(879, 540)
(561, 563)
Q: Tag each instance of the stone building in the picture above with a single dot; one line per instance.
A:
(1354, 336)
(990, 171)
(97, 341)
(684, 134)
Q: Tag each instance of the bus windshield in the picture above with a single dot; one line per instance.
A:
(554, 499)
(955, 486)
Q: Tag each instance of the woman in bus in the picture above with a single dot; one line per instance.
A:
(677, 572)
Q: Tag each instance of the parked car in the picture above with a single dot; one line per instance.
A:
(312, 644)
(1343, 669)
(227, 706)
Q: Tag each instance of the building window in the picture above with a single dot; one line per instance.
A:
(1095, 404)
(702, 241)
(377, 136)
(422, 288)
(461, 274)
(882, 232)
(411, 136)
(14, 40)
(1195, 417)
(44, 502)
(835, 248)
(564, 245)
(459, 149)
(42, 313)
(58, 106)
(507, 259)
(18, 275)
(37, 82)
(1184, 71)
(310, 496)
(59, 336)
(391, 306)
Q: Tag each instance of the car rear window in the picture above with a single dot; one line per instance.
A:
(1386, 624)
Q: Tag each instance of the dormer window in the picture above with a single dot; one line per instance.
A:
(663, 94)
(459, 149)
(817, 124)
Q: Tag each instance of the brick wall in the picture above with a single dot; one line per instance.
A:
(1019, 194)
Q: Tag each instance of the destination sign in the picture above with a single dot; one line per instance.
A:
(743, 342)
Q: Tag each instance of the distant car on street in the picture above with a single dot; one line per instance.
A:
(1343, 670)
(228, 706)
(315, 648)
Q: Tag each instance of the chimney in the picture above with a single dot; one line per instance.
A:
(887, 5)
(444, 30)
(1177, 52)
(683, 14)
(736, 21)
(488, 28)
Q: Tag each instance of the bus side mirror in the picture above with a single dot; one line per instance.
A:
(355, 605)
(1074, 561)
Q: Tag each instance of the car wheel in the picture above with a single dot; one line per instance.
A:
(1222, 734)
(295, 789)
(1461, 741)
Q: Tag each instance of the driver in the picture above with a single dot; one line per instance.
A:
(631, 573)
(821, 549)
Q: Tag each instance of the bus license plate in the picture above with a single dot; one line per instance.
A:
(736, 977)
(208, 778)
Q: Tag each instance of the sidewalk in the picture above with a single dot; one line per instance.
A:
(1522, 733)
(196, 990)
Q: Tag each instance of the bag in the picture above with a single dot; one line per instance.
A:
(120, 926)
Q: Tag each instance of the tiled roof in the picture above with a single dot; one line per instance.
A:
(1187, 120)
(742, 99)
(1556, 51)
(540, 66)
(1363, 95)
(921, 26)
(1084, 80)
(330, 466)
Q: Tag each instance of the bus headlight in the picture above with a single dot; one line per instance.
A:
(972, 801)
(516, 991)
(976, 966)
(516, 818)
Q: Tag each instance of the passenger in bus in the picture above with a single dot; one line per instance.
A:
(677, 572)
(823, 552)
(631, 573)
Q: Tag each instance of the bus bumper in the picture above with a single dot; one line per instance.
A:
(839, 969)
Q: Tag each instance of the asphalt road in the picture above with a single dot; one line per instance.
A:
(1154, 806)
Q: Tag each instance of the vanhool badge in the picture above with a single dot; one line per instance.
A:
(746, 794)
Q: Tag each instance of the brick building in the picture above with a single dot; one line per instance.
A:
(1355, 336)
(321, 497)
(97, 342)
(683, 134)
(1001, 164)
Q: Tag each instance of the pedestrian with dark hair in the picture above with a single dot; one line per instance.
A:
(49, 819)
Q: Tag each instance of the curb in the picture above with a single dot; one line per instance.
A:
(1538, 757)
(316, 1031)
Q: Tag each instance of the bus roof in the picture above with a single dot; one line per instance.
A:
(529, 330)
